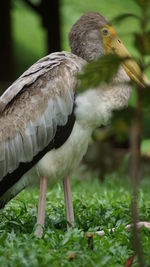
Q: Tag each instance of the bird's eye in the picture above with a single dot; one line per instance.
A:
(105, 32)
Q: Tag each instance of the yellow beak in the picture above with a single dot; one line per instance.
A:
(113, 44)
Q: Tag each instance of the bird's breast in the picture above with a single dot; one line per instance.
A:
(60, 162)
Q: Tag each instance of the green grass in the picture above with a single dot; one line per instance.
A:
(97, 206)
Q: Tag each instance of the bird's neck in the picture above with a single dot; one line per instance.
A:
(94, 107)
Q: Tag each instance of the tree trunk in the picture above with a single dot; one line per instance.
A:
(49, 12)
(51, 21)
(6, 53)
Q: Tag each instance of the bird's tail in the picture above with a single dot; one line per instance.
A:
(8, 195)
(9, 188)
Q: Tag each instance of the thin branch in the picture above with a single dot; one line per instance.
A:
(135, 137)
(101, 233)
(36, 8)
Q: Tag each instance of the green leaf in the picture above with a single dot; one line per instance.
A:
(97, 72)
(142, 43)
(124, 16)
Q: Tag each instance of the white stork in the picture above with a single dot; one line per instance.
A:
(45, 126)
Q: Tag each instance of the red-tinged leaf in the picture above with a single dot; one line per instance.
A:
(130, 261)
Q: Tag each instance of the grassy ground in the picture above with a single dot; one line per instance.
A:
(97, 206)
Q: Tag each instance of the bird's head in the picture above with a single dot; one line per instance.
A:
(93, 36)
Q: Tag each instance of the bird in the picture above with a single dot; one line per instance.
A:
(45, 124)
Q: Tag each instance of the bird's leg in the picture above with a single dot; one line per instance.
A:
(68, 201)
(41, 207)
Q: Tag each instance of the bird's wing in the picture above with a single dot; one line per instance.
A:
(34, 109)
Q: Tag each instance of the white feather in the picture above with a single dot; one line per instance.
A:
(2, 160)
(69, 100)
(28, 147)
(12, 155)
(61, 112)
(2, 151)
(19, 148)
(42, 134)
(31, 129)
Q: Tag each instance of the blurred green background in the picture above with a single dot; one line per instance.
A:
(30, 38)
